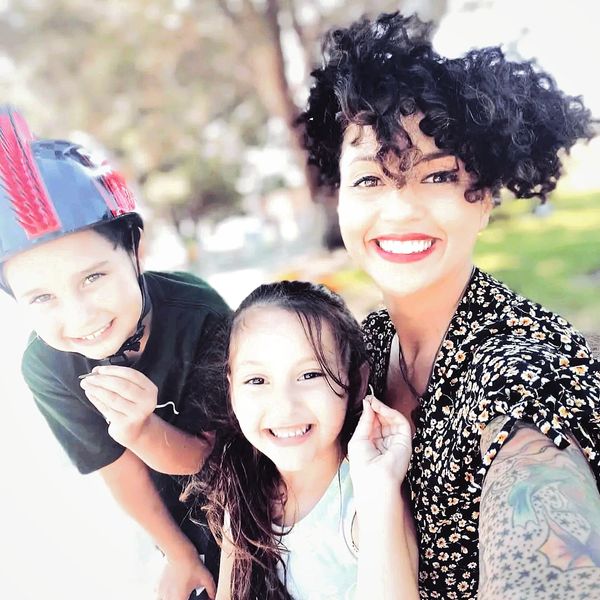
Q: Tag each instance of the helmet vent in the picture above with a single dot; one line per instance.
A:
(21, 179)
(119, 199)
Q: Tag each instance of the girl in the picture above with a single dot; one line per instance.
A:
(296, 519)
(504, 395)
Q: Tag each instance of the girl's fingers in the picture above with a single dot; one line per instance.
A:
(365, 423)
(388, 414)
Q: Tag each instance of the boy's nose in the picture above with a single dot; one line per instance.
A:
(79, 316)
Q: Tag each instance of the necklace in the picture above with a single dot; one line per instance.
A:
(402, 361)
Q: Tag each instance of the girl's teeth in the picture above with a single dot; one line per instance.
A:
(288, 433)
(96, 334)
(405, 247)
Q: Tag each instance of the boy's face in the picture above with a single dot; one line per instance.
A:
(78, 292)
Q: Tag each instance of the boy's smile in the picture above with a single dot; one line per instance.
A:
(79, 292)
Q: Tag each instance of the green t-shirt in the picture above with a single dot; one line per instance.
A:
(185, 314)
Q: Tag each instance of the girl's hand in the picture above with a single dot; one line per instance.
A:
(380, 449)
(179, 580)
(125, 397)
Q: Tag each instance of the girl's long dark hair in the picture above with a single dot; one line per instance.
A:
(238, 480)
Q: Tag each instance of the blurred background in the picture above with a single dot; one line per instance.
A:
(193, 100)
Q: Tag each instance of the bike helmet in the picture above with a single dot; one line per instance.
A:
(51, 188)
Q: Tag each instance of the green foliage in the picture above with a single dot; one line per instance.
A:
(553, 259)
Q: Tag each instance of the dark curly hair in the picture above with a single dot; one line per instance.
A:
(237, 479)
(507, 121)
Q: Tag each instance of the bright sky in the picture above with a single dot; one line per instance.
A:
(562, 35)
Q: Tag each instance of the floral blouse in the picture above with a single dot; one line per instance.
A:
(502, 355)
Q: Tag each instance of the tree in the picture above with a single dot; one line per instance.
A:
(174, 87)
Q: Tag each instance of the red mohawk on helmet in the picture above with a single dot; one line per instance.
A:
(21, 179)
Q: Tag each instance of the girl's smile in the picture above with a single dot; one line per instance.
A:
(284, 402)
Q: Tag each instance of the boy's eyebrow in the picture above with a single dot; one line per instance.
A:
(93, 267)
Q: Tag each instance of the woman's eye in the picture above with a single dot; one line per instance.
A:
(41, 299)
(442, 177)
(93, 277)
(254, 381)
(311, 375)
(367, 181)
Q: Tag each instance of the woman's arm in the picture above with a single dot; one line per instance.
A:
(539, 526)
(130, 484)
(379, 453)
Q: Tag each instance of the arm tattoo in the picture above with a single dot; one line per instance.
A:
(539, 527)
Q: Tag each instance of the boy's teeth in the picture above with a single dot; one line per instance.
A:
(288, 433)
(405, 247)
(96, 334)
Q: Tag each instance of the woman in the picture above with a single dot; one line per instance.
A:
(502, 394)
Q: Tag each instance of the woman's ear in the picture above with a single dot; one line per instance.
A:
(365, 371)
(487, 204)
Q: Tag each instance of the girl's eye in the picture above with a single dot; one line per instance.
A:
(442, 177)
(367, 181)
(254, 381)
(311, 375)
(93, 277)
(41, 299)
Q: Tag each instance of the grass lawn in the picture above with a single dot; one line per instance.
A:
(554, 259)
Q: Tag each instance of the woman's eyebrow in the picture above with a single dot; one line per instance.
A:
(423, 158)
(364, 158)
(433, 156)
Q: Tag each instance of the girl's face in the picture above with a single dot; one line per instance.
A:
(78, 292)
(408, 235)
(279, 393)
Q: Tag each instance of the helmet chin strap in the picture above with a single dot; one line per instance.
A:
(133, 342)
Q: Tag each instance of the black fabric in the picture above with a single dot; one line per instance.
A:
(185, 313)
(502, 356)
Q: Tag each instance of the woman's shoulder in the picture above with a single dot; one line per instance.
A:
(504, 319)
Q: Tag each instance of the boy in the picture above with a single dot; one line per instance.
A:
(113, 347)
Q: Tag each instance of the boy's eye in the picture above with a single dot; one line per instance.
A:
(41, 299)
(254, 381)
(367, 181)
(93, 277)
(311, 375)
(442, 177)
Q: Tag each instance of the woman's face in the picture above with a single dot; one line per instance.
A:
(409, 232)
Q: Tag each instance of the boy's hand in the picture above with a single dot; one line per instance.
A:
(180, 578)
(380, 449)
(125, 397)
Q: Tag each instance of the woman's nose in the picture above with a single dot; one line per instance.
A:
(400, 204)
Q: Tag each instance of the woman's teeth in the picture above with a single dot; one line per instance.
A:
(288, 433)
(95, 334)
(404, 247)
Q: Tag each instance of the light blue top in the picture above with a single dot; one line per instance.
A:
(320, 556)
